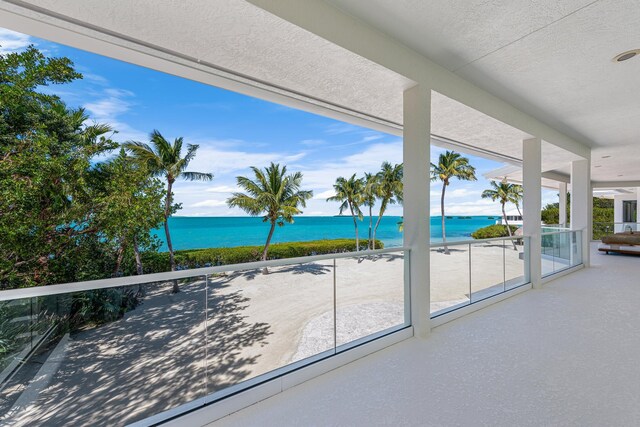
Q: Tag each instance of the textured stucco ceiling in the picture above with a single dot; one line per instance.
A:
(549, 58)
(239, 37)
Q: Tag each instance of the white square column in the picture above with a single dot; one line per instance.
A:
(416, 157)
(531, 206)
(582, 204)
(562, 192)
(635, 226)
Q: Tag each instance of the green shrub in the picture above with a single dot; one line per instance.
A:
(493, 231)
(196, 258)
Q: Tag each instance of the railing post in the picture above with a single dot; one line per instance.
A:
(532, 176)
(416, 157)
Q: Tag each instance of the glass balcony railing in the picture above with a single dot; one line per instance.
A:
(476, 270)
(560, 251)
(117, 351)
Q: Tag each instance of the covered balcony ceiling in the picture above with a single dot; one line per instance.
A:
(235, 38)
(550, 59)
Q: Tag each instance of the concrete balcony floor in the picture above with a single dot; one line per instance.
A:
(566, 355)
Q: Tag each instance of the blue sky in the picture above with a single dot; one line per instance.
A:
(235, 132)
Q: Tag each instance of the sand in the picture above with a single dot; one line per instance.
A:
(168, 352)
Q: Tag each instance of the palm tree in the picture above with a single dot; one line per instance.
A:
(517, 194)
(390, 190)
(349, 192)
(165, 159)
(450, 165)
(369, 196)
(503, 192)
(273, 193)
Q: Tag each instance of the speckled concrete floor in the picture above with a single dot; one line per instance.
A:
(566, 355)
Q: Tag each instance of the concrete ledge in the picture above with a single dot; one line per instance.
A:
(467, 309)
(562, 273)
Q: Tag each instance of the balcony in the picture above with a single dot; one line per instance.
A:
(562, 355)
(232, 328)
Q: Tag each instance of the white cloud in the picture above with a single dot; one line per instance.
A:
(211, 203)
(11, 41)
(324, 195)
(107, 108)
(222, 189)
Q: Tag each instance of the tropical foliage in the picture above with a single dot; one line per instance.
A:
(273, 194)
(162, 158)
(494, 231)
(389, 190)
(350, 195)
(504, 193)
(451, 165)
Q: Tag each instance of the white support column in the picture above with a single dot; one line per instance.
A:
(416, 154)
(635, 226)
(532, 184)
(562, 191)
(582, 204)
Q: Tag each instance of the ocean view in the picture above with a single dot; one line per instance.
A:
(207, 232)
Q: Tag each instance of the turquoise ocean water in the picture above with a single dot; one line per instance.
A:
(207, 232)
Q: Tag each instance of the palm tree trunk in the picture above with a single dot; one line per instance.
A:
(444, 233)
(136, 252)
(519, 211)
(266, 245)
(119, 257)
(372, 243)
(355, 224)
(167, 212)
(383, 208)
(504, 215)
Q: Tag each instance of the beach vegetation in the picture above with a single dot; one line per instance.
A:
(273, 194)
(369, 197)
(493, 231)
(197, 258)
(451, 165)
(165, 159)
(389, 190)
(350, 193)
(503, 192)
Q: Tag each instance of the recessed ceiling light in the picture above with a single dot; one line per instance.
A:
(624, 56)
(620, 175)
(597, 166)
(605, 157)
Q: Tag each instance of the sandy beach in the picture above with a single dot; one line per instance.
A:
(174, 348)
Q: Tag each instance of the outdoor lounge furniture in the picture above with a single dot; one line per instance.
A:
(624, 243)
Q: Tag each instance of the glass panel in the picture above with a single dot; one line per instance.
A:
(487, 268)
(515, 264)
(449, 279)
(111, 356)
(370, 295)
(259, 322)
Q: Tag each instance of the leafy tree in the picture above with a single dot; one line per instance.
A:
(129, 206)
(450, 165)
(273, 194)
(503, 193)
(46, 152)
(389, 190)
(162, 158)
(350, 193)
